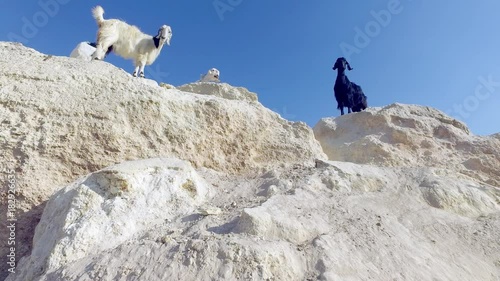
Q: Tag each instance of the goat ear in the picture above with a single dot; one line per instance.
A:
(156, 41)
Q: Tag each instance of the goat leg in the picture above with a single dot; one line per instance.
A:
(136, 71)
(141, 69)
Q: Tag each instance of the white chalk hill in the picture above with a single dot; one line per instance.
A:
(63, 118)
(142, 182)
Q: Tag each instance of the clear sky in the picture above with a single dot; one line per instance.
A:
(442, 54)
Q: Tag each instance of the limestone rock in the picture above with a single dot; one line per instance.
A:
(222, 90)
(410, 135)
(106, 208)
(207, 184)
(167, 86)
(209, 210)
(339, 221)
(62, 118)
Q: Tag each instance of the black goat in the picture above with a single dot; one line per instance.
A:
(347, 93)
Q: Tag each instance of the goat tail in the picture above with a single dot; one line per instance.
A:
(98, 13)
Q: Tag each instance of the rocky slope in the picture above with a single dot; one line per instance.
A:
(334, 221)
(410, 135)
(62, 118)
(201, 182)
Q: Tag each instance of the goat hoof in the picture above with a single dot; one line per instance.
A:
(141, 74)
(134, 74)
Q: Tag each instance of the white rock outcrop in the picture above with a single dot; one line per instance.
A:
(338, 221)
(109, 207)
(201, 182)
(62, 118)
(72, 117)
(410, 135)
(222, 90)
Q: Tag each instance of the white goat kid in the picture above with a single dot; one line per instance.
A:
(211, 76)
(128, 41)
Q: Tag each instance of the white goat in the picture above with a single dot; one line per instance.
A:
(211, 76)
(128, 41)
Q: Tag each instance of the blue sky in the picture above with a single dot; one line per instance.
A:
(442, 54)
